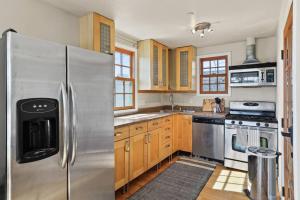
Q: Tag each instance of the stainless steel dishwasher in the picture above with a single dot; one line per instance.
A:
(208, 137)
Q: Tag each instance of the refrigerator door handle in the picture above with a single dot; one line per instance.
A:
(73, 122)
(65, 128)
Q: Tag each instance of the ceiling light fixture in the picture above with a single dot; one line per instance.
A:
(202, 27)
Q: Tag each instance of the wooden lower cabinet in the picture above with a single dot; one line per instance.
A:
(153, 147)
(147, 147)
(175, 133)
(138, 155)
(121, 163)
(185, 133)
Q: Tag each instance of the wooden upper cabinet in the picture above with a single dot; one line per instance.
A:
(97, 33)
(183, 69)
(153, 64)
(121, 163)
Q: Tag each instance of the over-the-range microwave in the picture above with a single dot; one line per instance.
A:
(253, 75)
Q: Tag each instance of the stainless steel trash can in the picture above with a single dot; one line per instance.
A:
(262, 174)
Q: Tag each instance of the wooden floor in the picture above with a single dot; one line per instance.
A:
(223, 184)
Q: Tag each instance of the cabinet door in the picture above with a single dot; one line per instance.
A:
(153, 147)
(138, 155)
(165, 69)
(184, 59)
(103, 34)
(156, 62)
(186, 132)
(175, 136)
(121, 163)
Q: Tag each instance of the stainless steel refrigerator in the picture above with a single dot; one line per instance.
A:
(56, 121)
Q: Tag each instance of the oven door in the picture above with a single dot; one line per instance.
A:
(245, 78)
(233, 150)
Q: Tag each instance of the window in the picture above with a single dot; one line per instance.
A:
(124, 92)
(214, 75)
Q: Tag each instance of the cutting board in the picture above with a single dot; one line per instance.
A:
(209, 104)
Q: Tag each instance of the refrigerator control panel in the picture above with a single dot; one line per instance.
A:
(38, 105)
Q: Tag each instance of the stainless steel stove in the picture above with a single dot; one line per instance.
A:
(258, 124)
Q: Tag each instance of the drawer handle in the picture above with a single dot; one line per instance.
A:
(127, 148)
(156, 123)
(166, 129)
(146, 139)
(138, 128)
(167, 137)
(167, 146)
(118, 134)
(167, 120)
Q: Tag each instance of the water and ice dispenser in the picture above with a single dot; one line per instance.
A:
(37, 129)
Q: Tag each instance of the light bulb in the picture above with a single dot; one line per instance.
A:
(210, 30)
(202, 34)
(193, 31)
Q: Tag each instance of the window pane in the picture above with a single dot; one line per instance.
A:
(128, 87)
(119, 100)
(221, 70)
(221, 87)
(213, 80)
(117, 58)
(214, 63)
(205, 80)
(214, 70)
(125, 60)
(206, 64)
(221, 79)
(118, 71)
(221, 63)
(119, 86)
(205, 88)
(213, 88)
(206, 71)
(126, 72)
(128, 100)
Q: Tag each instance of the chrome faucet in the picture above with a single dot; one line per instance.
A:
(171, 100)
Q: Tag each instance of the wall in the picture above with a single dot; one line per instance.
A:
(266, 52)
(39, 19)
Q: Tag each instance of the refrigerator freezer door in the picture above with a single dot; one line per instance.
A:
(35, 69)
(91, 164)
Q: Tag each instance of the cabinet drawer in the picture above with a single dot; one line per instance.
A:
(121, 133)
(167, 120)
(154, 124)
(138, 128)
(167, 128)
(164, 138)
(165, 150)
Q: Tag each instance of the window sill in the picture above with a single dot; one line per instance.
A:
(124, 112)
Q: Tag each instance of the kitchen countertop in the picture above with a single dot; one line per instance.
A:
(141, 117)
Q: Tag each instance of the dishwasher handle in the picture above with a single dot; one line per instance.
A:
(207, 120)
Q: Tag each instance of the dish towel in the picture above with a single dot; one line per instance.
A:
(253, 137)
(241, 136)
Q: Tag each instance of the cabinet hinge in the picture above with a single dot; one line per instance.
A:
(282, 54)
(282, 191)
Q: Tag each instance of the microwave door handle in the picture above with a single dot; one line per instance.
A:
(65, 128)
(74, 123)
(262, 76)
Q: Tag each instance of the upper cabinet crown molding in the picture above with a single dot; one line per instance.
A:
(97, 33)
(153, 73)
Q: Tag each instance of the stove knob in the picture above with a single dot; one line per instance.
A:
(266, 125)
(240, 122)
(232, 122)
(257, 124)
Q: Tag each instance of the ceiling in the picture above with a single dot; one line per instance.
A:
(168, 21)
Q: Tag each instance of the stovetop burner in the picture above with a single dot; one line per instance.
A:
(253, 118)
